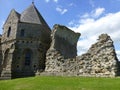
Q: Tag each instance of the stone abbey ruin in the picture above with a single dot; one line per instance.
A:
(28, 47)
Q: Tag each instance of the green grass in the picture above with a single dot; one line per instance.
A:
(61, 83)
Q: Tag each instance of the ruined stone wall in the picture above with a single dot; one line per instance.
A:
(100, 61)
(63, 46)
(64, 40)
(7, 39)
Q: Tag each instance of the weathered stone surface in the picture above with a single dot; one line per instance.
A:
(0, 55)
(65, 41)
(101, 58)
(63, 46)
(99, 61)
(24, 43)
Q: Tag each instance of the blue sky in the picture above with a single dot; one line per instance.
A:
(89, 17)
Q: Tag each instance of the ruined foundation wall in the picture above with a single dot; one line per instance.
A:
(100, 60)
(63, 46)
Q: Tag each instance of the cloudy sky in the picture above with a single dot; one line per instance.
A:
(89, 17)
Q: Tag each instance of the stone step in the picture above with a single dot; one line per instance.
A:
(5, 78)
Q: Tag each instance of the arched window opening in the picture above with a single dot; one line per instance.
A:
(27, 57)
(9, 31)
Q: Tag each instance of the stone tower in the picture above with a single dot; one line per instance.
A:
(24, 42)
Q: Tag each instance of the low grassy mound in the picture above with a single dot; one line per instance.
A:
(61, 83)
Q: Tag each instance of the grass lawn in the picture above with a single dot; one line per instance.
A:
(61, 83)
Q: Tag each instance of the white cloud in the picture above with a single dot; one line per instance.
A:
(95, 13)
(61, 11)
(98, 12)
(90, 29)
(55, 1)
(72, 4)
(47, 1)
(71, 23)
(86, 15)
(88, 20)
(118, 54)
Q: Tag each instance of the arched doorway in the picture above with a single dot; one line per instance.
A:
(6, 59)
(6, 64)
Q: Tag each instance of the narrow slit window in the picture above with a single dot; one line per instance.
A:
(9, 31)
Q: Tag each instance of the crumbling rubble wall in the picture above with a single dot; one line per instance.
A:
(64, 40)
(100, 60)
(63, 46)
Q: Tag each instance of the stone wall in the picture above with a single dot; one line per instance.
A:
(0, 54)
(23, 44)
(33, 32)
(63, 46)
(100, 60)
(64, 40)
(10, 24)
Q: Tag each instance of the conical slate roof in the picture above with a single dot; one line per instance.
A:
(32, 15)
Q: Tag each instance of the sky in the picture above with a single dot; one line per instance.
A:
(88, 17)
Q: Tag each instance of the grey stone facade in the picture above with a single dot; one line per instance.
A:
(24, 42)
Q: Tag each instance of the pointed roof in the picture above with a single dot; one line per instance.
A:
(13, 11)
(16, 13)
(32, 15)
